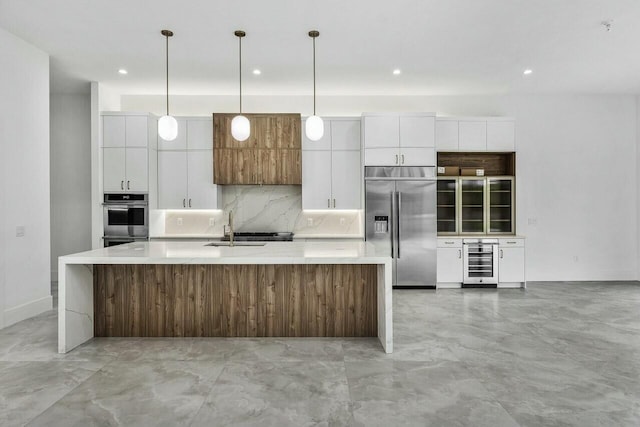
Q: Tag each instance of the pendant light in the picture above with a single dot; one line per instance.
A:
(240, 126)
(314, 127)
(167, 125)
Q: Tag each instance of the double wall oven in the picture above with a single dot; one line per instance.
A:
(126, 218)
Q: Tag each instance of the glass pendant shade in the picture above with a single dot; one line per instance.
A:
(314, 128)
(240, 128)
(168, 128)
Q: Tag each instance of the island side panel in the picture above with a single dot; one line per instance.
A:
(385, 306)
(237, 300)
(75, 305)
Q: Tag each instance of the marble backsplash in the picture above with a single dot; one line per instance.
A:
(258, 208)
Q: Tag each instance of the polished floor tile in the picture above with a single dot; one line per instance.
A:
(557, 354)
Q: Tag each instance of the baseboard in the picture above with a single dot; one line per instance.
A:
(27, 310)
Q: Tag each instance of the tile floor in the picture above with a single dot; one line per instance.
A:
(557, 354)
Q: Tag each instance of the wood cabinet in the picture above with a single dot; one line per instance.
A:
(399, 139)
(271, 155)
(185, 169)
(475, 134)
(332, 177)
(125, 152)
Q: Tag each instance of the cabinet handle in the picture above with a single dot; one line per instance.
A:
(501, 254)
(459, 253)
(128, 185)
(396, 159)
(122, 185)
(334, 203)
(403, 159)
(511, 243)
(189, 202)
(184, 203)
(449, 243)
(328, 203)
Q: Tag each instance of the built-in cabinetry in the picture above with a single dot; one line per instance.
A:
(271, 155)
(475, 134)
(127, 140)
(185, 167)
(331, 171)
(399, 139)
(511, 262)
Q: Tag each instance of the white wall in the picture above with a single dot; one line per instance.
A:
(70, 159)
(24, 180)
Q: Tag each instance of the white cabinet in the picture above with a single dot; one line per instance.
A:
(185, 180)
(511, 261)
(472, 135)
(125, 152)
(449, 265)
(323, 143)
(399, 139)
(185, 167)
(475, 134)
(331, 167)
(501, 135)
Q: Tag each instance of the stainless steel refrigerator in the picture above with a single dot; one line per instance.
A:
(400, 220)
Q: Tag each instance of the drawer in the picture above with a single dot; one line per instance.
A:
(449, 243)
(515, 243)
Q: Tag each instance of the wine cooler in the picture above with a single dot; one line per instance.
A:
(480, 258)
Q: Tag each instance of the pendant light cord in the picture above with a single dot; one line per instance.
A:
(240, 73)
(314, 76)
(167, 57)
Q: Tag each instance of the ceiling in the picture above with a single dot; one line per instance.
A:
(442, 47)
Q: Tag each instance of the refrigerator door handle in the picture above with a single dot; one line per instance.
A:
(399, 208)
(392, 234)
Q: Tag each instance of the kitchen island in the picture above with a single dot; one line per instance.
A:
(179, 289)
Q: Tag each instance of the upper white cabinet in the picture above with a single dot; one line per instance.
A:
(331, 168)
(185, 167)
(126, 140)
(399, 139)
(475, 134)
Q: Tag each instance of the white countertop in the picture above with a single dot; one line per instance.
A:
(155, 252)
(482, 236)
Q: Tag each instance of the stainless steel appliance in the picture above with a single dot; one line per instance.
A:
(126, 218)
(480, 262)
(400, 220)
(241, 236)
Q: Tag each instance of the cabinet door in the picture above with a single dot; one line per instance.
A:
(289, 166)
(417, 156)
(501, 136)
(417, 131)
(137, 131)
(472, 205)
(202, 192)
(172, 179)
(323, 143)
(316, 179)
(137, 167)
(511, 265)
(113, 169)
(200, 134)
(381, 132)
(472, 135)
(450, 265)
(381, 157)
(180, 143)
(113, 131)
(346, 179)
(446, 135)
(345, 135)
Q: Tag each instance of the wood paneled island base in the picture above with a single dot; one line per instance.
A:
(235, 300)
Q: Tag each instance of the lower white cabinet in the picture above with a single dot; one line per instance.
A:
(511, 261)
(125, 169)
(185, 180)
(449, 265)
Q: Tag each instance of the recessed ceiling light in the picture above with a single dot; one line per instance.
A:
(397, 72)
(527, 71)
(123, 71)
(257, 72)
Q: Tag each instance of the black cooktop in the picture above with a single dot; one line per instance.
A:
(260, 236)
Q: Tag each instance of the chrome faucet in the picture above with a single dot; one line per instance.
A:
(231, 228)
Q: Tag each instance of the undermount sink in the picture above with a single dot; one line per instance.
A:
(227, 244)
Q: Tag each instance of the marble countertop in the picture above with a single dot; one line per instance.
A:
(483, 236)
(194, 252)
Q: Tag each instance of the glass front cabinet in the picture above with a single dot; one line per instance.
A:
(476, 205)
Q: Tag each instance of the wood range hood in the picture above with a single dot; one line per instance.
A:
(271, 155)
